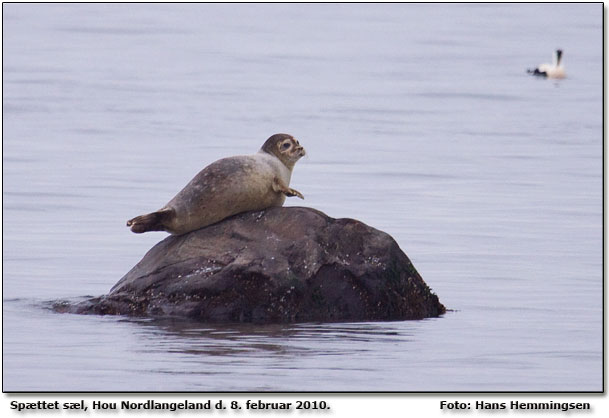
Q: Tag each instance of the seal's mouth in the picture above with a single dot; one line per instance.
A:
(301, 151)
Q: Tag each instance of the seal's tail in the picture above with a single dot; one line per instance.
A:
(150, 222)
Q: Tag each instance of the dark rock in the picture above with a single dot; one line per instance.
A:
(278, 265)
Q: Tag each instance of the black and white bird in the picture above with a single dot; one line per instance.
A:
(554, 70)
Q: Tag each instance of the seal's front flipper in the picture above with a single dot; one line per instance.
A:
(279, 187)
(292, 192)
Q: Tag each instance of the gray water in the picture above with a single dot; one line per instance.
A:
(418, 120)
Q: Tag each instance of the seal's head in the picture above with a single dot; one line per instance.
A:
(285, 147)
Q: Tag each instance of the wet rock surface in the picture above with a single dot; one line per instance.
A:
(285, 264)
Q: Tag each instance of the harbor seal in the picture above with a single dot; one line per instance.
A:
(229, 186)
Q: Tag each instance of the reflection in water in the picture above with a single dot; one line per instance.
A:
(290, 340)
(281, 356)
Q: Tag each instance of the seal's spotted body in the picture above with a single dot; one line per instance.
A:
(227, 187)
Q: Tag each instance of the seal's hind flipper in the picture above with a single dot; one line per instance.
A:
(154, 221)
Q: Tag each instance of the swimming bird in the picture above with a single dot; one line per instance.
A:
(554, 70)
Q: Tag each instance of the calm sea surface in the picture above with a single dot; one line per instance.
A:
(418, 120)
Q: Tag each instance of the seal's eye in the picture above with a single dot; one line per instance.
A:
(286, 145)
